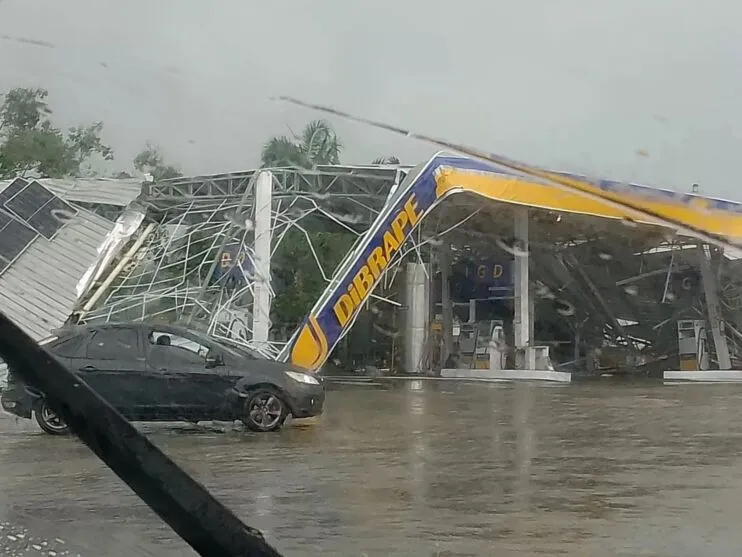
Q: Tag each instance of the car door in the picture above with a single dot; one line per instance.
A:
(192, 384)
(114, 365)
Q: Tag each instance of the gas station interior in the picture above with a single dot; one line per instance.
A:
(608, 296)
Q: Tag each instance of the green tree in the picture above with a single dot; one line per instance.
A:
(386, 160)
(30, 143)
(316, 144)
(298, 280)
(152, 161)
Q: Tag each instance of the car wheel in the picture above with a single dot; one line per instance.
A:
(265, 410)
(48, 420)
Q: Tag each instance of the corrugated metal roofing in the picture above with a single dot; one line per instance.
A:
(101, 191)
(38, 290)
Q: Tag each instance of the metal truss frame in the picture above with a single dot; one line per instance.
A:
(171, 276)
(371, 181)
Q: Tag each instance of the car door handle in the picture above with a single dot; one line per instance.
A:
(88, 368)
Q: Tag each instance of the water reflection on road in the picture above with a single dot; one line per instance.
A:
(429, 468)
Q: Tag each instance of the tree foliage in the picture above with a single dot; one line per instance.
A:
(30, 143)
(151, 160)
(298, 280)
(386, 160)
(316, 144)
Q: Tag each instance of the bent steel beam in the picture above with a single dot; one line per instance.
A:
(360, 272)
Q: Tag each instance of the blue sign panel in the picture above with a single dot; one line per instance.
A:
(495, 274)
(478, 280)
(233, 265)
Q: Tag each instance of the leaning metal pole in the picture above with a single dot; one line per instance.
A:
(209, 527)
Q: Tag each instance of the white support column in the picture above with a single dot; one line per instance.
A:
(261, 322)
(417, 300)
(522, 311)
(713, 308)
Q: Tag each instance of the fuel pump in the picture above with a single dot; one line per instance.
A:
(692, 345)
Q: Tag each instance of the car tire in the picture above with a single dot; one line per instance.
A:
(48, 420)
(265, 410)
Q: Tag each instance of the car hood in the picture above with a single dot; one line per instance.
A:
(268, 368)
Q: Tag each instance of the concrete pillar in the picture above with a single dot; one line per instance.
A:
(261, 322)
(417, 292)
(531, 316)
(713, 308)
(444, 262)
(522, 307)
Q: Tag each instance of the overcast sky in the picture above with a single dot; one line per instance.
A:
(577, 85)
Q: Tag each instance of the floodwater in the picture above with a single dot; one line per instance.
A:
(422, 469)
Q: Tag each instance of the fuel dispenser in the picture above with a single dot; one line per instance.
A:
(475, 342)
(692, 345)
(486, 330)
(467, 341)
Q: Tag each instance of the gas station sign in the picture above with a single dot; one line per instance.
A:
(479, 279)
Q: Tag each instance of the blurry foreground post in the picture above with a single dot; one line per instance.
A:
(186, 506)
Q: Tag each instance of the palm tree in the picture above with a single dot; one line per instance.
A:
(385, 160)
(317, 144)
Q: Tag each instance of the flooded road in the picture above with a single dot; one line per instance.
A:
(421, 469)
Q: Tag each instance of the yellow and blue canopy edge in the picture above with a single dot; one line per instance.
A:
(714, 216)
(444, 175)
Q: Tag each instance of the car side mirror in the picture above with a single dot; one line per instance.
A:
(214, 360)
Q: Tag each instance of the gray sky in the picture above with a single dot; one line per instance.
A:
(575, 85)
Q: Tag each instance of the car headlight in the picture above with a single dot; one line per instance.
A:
(303, 377)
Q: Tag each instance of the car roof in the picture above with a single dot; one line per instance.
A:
(138, 325)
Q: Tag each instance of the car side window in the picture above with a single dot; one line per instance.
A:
(170, 346)
(113, 344)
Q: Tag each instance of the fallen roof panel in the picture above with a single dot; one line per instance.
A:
(38, 291)
(97, 191)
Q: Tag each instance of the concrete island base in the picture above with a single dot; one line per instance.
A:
(716, 375)
(507, 375)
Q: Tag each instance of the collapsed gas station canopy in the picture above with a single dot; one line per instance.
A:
(444, 176)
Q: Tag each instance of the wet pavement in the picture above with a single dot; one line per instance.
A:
(421, 469)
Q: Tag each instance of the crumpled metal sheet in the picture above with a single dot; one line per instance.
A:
(125, 227)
